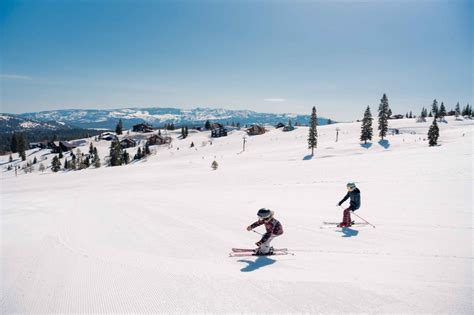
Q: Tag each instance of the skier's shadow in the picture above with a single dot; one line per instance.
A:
(260, 262)
(348, 232)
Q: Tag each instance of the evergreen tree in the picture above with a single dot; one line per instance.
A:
(289, 122)
(366, 133)
(424, 113)
(147, 149)
(41, 167)
(125, 157)
(35, 160)
(383, 116)
(60, 153)
(207, 125)
(214, 165)
(433, 133)
(457, 110)
(23, 155)
(10, 159)
(430, 114)
(138, 155)
(91, 149)
(442, 111)
(14, 143)
(55, 164)
(66, 164)
(313, 132)
(186, 131)
(116, 154)
(406, 115)
(119, 127)
(411, 115)
(434, 108)
(96, 159)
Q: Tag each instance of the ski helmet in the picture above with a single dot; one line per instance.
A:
(351, 185)
(265, 214)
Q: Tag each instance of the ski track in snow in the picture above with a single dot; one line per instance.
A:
(154, 237)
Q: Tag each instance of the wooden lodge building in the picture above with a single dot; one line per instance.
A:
(256, 130)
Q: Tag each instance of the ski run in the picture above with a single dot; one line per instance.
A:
(154, 236)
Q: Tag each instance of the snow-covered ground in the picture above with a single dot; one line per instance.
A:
(154, 236)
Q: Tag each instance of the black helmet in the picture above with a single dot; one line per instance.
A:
(265, 214)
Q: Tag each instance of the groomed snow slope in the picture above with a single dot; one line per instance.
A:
(155, 236)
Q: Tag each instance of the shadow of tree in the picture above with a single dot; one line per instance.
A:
(366, 145)
(348, 232)
(308, 157)
(260, 262)
(384, 143)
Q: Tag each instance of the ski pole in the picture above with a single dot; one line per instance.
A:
(257, 232)
(361, 218)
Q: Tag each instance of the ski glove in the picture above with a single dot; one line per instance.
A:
(249, 228)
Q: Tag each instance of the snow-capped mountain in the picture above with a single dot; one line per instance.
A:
(88, 118)
(14, 123)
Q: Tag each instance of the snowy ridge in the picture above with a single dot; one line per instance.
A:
(15, 123)
(160, 116)
(145, 237)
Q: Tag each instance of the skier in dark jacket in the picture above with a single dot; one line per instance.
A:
(273, 227)
(354, 194)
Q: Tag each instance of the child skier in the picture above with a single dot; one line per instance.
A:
(273, 227)
(354, 194)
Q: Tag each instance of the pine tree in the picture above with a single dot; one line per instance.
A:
(138, 155)
(442, 111)
(147, 149)
(214, 165)
(14, 143)
(10, 159)
(41, 167)
(433, 133)
(91, 149)
(424, 113)
(60, 153)
(35, 160)
(119, 127)
(55, 164)
(115, 154)
(383, 116)
(366, 133)
(207, 125)
(96, 159)
(125, 157)
(457, 110)
(434, 109)
(313, 132)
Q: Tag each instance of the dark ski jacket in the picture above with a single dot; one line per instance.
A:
(273, 228)
(355, 199)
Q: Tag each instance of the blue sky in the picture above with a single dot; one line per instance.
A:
(267, 56)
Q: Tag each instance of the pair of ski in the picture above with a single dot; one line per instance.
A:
(243, 252)
(335, 224)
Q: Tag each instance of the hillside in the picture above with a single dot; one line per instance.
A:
(154, 236)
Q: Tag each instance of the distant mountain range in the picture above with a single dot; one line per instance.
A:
(158, 117)
(15, 123)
